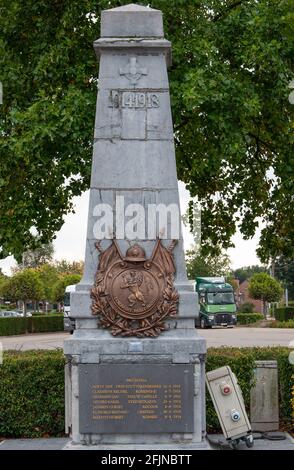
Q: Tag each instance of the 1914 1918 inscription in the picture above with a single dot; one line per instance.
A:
(136, 398)
(133, 99)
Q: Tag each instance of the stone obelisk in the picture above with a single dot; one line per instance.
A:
(135, 364)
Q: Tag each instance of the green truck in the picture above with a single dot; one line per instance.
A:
(217, 306)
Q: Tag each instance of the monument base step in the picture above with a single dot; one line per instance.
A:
(177, 446)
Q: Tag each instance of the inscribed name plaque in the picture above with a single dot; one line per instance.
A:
(136, 398)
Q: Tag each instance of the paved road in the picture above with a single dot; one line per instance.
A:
(240, 337)
(34, 341)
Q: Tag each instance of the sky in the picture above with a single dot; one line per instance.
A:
(70, 240)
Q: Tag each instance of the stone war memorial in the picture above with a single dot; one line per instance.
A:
(135, 363)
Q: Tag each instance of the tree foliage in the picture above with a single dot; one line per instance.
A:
(69, 267)
(264, 287)
(62, 283)
(284, 272)
(232, 62)
(3, 279)
(24, 285)
(206, 265)
(246, 272)
(234, 124)
(48, 276)
(35, 258)
(44, 283)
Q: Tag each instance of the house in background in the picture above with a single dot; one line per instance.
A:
(242, 296)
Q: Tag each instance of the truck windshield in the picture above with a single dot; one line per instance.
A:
(220, 298)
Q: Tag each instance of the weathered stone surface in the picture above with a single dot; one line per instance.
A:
(124, 118)
(132, 20)
(102, 342)
(133, 46)
(113, 72)
(134, 164)
(264, 397)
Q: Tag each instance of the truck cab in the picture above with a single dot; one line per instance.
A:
(217, 306)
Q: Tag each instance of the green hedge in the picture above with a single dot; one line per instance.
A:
(247, 307)
(284, 313)
(282, 324)
(246, 318)
(12, 326)
(32, 394)
(32, 388)
(46, 323)
(35, 324)
(50, 312)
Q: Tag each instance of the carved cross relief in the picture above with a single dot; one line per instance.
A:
(133, 72)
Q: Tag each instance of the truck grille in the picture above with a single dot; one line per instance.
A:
(222, 318)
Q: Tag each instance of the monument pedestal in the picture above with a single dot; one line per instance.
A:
(135, 369)
(151, 390)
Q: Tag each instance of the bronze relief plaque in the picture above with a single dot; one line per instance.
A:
(133, 295)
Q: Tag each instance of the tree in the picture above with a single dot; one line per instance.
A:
(38, 257)
(231, 280)
(25, 286)
(247, 271)
(264, 287)
(206, 265)
(48, 276)
(232, 62)
(3, 279)
(62, 283)
(284, 272)
(67, 267)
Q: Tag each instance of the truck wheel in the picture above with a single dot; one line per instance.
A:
(202, 323)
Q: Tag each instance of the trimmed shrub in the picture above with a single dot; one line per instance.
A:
(34, 324)
(41, 314)
(247, 307)
(45, 323)
(246, 318)
(32, 388)
(284, 313)
(282, 324)
(12, 326)
(32, 394)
